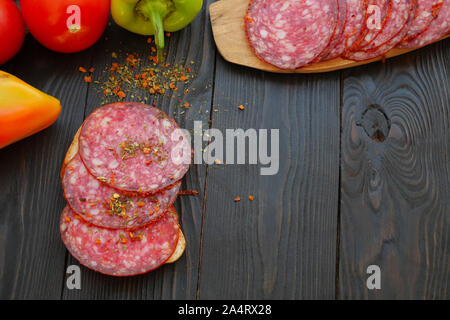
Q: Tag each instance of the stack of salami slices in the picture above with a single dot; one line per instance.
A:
(121, 177)
(291, 34)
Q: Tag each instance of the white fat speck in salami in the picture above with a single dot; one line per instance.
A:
(119, 252)
(438, 28)
(290, 34)
(134, 147)
(104, 206)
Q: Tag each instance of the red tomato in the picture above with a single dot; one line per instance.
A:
(12, 30)
(66, 25)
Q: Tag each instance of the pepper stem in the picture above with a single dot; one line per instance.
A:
(156, 20)
(155, 11)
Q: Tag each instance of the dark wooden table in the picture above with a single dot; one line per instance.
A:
(363, 180)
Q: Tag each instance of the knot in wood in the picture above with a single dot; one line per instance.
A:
(375, 123)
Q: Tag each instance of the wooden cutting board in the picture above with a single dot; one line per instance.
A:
(227, 20)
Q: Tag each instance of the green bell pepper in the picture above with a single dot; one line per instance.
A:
(153, 17)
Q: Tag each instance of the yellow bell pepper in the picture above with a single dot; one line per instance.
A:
(24, 110)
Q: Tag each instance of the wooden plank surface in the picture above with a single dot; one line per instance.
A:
(395, 177)
(282, 244)
(178, 280)
(31, 251)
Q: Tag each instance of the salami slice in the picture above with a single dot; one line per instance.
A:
(119, 252)
(438, 28)
(134, 147)
(104, 206)
(381, 50)
(378, 13)
(427, 11)
(290, 34)
(353, 26)
(339, 31)
(400, 13)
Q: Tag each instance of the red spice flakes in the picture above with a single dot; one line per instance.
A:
(149, 40)
(140, 204)
(87, 79)
(91, 70)
(81, 69)
(168, 34)
(66, 218)
(131, 60)
(186, 105)
(188, 193)
(135, 237)
(114, 66)
(241, 107)
(134, 73)
(251, 198)
(237, 199)
(98, 241)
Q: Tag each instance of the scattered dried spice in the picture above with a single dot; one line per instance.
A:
(237, 199)
(241, 107)
(135, 78)
(136, 237)
(117, 206)
(88, 79)
(188, 193)
(251, 198)
(154, 150)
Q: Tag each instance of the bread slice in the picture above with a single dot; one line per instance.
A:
(179, 250)
(72, 152)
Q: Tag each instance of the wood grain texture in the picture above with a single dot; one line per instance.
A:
(282, 244)
(395, 206)
(227, 19)
(178, 280)
(31, 252)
